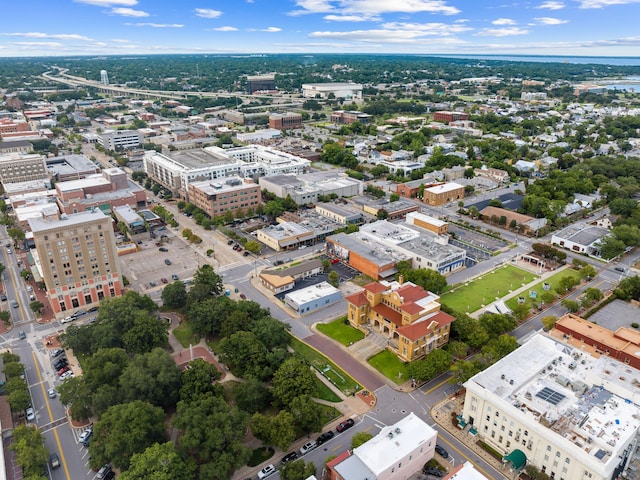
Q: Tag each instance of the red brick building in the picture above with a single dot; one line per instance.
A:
(446, 117)
(285, 121)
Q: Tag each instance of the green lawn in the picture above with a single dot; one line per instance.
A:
(390, 366)
(260, 455)
(325, 393)
(185, 335)
(553, 281)
(330, 370)
(341, 332)
(484, 289)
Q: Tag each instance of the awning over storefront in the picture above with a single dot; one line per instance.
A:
(517, 458)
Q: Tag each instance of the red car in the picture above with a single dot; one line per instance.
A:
(63, 370)
(164, 280)
(334, 260)
(345, 425)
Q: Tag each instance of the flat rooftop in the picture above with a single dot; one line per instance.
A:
(198, 158)
(562, 388)
(447, 187)
(368, 248)
(583, 234)
(311, 293)
(66, 221)
(286, 230)
(222, 185)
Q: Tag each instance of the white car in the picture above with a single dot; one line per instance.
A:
(67, 374)
(31, 414)
(266, 471)
(307, 447)
(67, 320)
(85, 434)
(51, 393)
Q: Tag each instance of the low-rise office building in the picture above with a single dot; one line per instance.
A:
(392, 210)
(442, 194)
(339, 214)
(408, 315)
(306, 188)
(131, 218)
(312, 298)
(555, 406)
(22, 167)
(120, 139)
(70, 167)
(232, 194)
(426, 222)
(347, 117)
(286, 236)
(285, 121)
(581, 238)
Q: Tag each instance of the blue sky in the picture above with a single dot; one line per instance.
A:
(117, 27)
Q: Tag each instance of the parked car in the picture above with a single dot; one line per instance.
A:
(266, 471)
(92, 309)
(54, 460)
(345, 425)
(243, 296)
(79, 313)
(64, 369)
(278, 262)
(163, 249)
(67, 319)
(307, 447)
(51, 393)
(29, 288)
(31, 414)
(67, 374)
(86, 433)
(246, 253)
(334, 260)
(22, 335)
(432, 471)
(167, 261)
(57, 352)
(59, 363)
(164, 280)
(230, 242)
(3, 297)
(174, 276)
(103, 472)
(289, 456)
(325, 437)
(442, 452)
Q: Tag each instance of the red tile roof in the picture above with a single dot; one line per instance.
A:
(411, 308)
(358, 299)
(412, 293)
(388, 313)
(416, 331)
(375, 287)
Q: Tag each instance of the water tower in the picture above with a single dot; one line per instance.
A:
(104, 77)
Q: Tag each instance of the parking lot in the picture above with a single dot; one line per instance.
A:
(146, 268)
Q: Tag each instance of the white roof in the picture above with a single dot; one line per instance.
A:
(447, 187)
(305, 295)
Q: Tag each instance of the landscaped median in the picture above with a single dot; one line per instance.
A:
(483, 290)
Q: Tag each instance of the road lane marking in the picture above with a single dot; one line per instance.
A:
(442, 439)
(427, 392)
(46, 402)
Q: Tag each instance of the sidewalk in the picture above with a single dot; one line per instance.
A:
(443, 412)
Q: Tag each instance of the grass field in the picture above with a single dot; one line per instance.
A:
(484, 289)
(553, 281)
(390, 366)
(184, 335)
(326, 367)
(341, 332)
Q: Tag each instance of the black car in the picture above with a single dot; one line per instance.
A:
(60, 363)
(289, 457)
(325, 437)
(443, 453)
(246, 254)
(432, 471)
(230, 242)
(345, 425)
(79, 313)
(92, 309)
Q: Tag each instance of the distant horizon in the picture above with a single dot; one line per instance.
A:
(575, 28)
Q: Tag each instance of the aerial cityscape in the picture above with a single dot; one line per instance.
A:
(320, 239)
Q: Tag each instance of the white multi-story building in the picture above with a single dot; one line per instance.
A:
(306, 188)
(557, 407)
(115, 139)
(177, 171)
(349, 91)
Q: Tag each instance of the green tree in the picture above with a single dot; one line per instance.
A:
(252, 396)
(253, 246)
(124, 430)
(297, 470)
(549, 322)
(31, 454)
(307, 415)
(245, 355)
(145, 334)
(588, 271)
(2, 268)
(611, 247)
(435, 363)
(213, 434)
(294, 378)
(326, 265)
(333, 278)
(279, 430)
(198, 379)
(153, 377)
(75, 394)
(16, 234)
(206, 276)
(359, 439)
(36, 306)
(174, 295)
(160, 461)
(570, 305)
(593, 295)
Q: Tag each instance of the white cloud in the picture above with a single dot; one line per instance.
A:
(57, 36)
(129, 12)
(399, 32)
(38, 44)
(549, 21)
(351, 18)
(226, 28)
(427, 28)
(109, 3)
(552, 5)
(373, 7)
(502, 32)
(208, 13)
(155, 25)
(605, 3)
(120, 40)
(271, 29)
(504, 21)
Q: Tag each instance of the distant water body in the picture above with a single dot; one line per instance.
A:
(626, 61)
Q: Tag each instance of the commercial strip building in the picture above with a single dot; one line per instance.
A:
(22, 167)
(306, 188)
(529, 225)
(348, 91)
(286, 236)
(393, 210)
(105, 190)
(377, 247)
(70, 167)
(216, 198)
(581, 238)
(177, 171)
(426, 222)
(312, 298)
(557, 407)
(281, 280)
(77, 259)
(396, 453)
(408, 315)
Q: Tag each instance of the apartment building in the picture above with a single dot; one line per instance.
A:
(216, 198)
(19, 167)
(404, 312)
(76, 257)
(553, 405)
